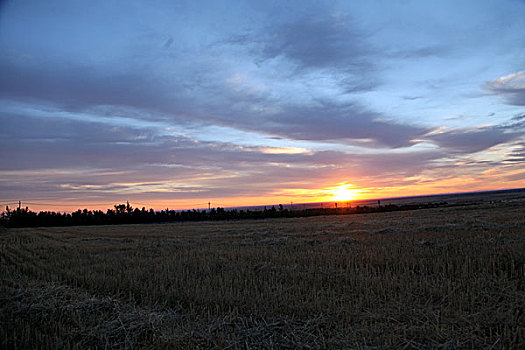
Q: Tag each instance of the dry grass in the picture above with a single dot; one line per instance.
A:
(429, 279)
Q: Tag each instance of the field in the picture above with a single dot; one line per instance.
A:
(425, 279)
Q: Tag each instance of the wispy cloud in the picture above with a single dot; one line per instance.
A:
(511, 87)
(326, 41)
(467, 141)
(205, 99)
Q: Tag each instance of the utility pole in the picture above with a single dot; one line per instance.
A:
(209, 206)
(19, 205)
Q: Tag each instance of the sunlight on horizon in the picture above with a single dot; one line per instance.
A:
(344, 193)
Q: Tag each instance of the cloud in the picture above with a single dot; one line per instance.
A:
(346, 123)
(466, 141)
(473, 140)
(324, 42)
(517, 122)
(310, 66)
(318, 41)
(511, 87)
(426, 51)
(518, 153)
(78, 87)
(171, 97)
(60, 157)
(316, 117)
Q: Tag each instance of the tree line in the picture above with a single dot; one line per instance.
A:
(126, 214)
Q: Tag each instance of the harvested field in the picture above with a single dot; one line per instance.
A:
(427, 279)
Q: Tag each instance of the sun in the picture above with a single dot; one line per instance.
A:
(343, 193)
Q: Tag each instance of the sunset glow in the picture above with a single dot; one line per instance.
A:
(344, 193)
(257, 103)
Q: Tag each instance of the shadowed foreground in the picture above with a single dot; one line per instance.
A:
(435, 278)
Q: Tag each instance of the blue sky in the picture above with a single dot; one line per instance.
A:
(175, 103)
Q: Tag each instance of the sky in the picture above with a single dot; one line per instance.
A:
(180, 103)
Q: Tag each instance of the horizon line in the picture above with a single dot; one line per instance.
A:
(287, 204)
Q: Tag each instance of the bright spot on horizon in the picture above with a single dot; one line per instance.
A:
(255, 103)
(344, 193)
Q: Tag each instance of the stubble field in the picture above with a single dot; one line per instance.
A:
(435, 278)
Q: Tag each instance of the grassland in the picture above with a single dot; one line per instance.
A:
(435, 278)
